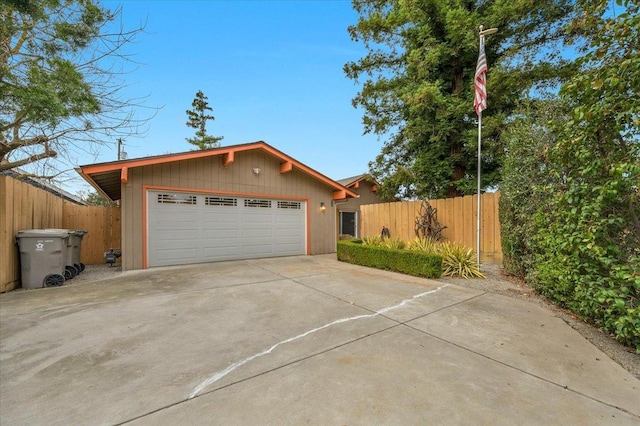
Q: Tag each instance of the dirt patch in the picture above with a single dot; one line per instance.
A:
(498, 282)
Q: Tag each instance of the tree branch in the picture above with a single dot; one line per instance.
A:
(12, 164)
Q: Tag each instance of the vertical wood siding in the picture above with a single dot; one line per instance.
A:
(209, 175)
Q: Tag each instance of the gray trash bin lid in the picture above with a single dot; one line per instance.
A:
(41, 233)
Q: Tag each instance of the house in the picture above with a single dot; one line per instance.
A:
(348, 210)
(234, 202)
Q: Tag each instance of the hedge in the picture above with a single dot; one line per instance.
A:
(415, 263)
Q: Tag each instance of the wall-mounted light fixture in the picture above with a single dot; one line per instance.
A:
(322, 207)
(256, 170)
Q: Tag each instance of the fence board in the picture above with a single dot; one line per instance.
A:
(23, 206)
(457, 214)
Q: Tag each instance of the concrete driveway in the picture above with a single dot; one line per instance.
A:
(296, 340)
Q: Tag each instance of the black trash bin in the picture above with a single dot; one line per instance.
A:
(42, 257)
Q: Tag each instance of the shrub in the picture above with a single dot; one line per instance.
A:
(415, 263)
(528, 139)
(393, 243)
(426, 244)
(457, 260)
(375, 240)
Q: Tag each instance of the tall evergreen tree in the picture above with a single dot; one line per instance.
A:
(418, 92)
(197, 119)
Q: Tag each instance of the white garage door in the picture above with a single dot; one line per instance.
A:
(194, 228)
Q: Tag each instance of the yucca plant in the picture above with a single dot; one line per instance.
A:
(457, 260)
(374, 240)
(425, 244)
(393, 243)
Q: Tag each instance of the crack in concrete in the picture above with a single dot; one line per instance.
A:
(219, 375)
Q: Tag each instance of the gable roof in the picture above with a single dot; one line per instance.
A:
(108, 177)
(351, 182)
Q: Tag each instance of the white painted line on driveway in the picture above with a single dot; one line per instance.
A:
(220, 374)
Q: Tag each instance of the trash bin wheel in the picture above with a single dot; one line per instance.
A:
(70, 272)
(53, 280)
(81, 266)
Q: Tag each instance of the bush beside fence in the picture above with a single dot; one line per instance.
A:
(409, 262)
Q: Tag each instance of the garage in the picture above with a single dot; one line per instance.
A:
(233, 202)
(188, 228)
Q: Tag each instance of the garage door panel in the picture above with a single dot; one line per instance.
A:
(177, 244)
(177, 217)
(219, 242)
(257, 219)
(193, 228)
(257, 233)
(213, 234)
(176, 256)
(284, 248)
(258, 250)
(216, 253)
(177, 234)
(224, 216)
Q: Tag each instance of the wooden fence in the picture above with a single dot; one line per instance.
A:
(457, 214)
(23, 206)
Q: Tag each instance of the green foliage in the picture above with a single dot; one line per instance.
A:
(418, 86)
(458, 261)
(374, 240)
(390, 253)
(588, 236)
(428, 245)
(59, 81)
(393, 243)
(528, 140)
(409, 262)
(95, 199)
(378, 241)
(197, 119)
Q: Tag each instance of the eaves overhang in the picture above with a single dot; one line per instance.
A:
(108, 178)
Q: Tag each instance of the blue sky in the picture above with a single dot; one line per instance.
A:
(272, 71)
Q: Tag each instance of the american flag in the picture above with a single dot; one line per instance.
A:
(480, 81)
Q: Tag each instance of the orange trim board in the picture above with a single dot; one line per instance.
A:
(228, 158)
(145, 224)
(286, 167)
(228, 153)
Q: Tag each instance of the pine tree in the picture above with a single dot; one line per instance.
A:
(197, 119)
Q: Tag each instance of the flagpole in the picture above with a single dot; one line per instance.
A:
(479, 188)
(479, 105)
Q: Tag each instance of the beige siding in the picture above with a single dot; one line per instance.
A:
(207, 174)
(366, 197)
